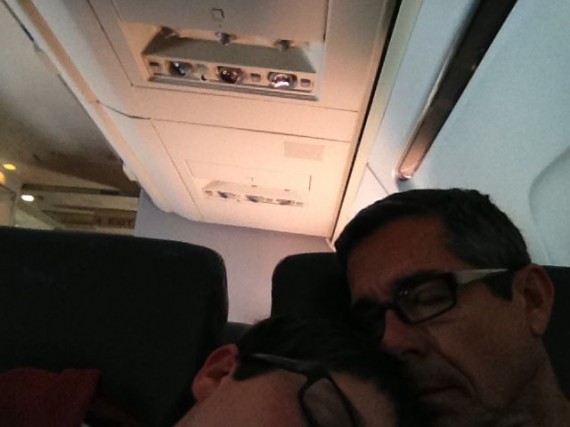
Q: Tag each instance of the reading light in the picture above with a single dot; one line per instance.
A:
(9, 166)
(281, 80)
(28, 198)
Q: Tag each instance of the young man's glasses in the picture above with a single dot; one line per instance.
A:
(419, 299)
(322, 401)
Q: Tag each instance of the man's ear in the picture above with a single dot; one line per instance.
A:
(533, 285)
(220, 364)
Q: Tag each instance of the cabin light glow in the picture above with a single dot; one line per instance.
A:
(9, 166)
(2, 179)
(28, 198)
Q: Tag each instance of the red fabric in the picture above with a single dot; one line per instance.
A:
(33, 397)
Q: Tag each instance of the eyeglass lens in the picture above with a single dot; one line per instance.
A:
(425, 300)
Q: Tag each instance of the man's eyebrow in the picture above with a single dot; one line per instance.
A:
(414, 277)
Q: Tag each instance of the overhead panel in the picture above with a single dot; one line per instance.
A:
(253, 46)
(282, 182)
(242, 112)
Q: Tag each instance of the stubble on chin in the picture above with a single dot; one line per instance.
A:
(445, 399)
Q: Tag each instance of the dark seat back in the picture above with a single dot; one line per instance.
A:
(144, 312)
(233, 331)
(557, 337)
(310, 285)
(314, 285)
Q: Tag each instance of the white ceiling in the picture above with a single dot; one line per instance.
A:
(182, 140)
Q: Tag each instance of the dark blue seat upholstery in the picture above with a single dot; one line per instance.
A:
(310, 285)
(144, 312)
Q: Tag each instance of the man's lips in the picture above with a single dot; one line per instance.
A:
(439, 396)
(424, 388)
(435, 382)
(433, 390)
(429, 381)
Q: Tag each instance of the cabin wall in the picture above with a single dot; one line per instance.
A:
(250, 255)
(9, 189)
(6, 206)
(508, 135)
(423, 36)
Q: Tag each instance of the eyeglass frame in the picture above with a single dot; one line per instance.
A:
(313, 372)
(454, 280)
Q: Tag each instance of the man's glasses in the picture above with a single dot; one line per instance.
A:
(322, 401)
(419, 299)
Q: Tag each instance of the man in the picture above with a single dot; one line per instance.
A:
(446, 278)
(287, 372)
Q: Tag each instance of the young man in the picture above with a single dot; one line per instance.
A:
(445, 277)
(293, 372)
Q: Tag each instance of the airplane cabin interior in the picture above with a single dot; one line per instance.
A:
(224, 146)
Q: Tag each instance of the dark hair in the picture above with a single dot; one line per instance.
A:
(334, 345)
(477, 231)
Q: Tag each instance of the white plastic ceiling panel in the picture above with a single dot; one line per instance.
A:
(279, 19)
(354, 40)
(259, 165)
(258, 114)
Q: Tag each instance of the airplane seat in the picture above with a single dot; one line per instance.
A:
(314, 285)
(143, 312)
(233, 332)
(309, 285)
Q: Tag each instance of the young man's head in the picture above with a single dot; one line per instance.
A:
(446, 278)
(299, 372)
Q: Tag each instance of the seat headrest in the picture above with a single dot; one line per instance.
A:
(310, 285)
(144, 312)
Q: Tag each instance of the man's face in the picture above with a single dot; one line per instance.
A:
(467, 365)
(270, 400)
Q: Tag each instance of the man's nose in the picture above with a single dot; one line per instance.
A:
(401, 338)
